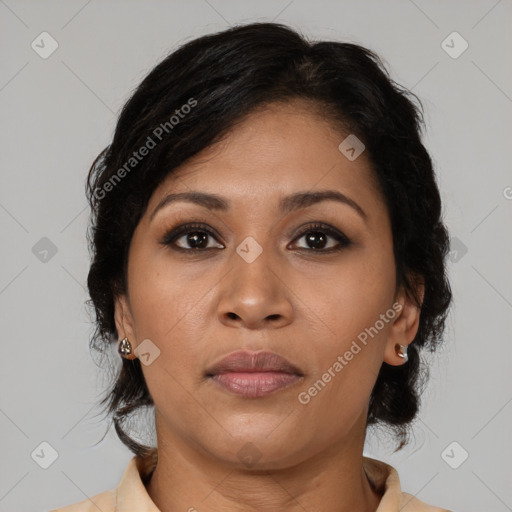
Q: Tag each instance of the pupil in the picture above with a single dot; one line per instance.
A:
(197, 239)
(316, 239)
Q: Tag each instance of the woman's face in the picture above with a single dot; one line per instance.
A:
(312, 281)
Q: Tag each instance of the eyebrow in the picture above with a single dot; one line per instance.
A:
(287, 204)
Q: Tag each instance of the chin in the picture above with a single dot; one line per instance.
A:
(260, 449)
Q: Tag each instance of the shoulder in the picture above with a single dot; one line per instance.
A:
(409, 503)
(384, 479)
(129, 492)
(104, 501)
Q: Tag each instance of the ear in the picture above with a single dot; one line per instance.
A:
(405, 324)
(124, 321)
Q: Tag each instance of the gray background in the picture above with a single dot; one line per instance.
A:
(59, 112)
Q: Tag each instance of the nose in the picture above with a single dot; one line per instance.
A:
(255, 294)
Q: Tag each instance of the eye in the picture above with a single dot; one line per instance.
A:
(190, 238)
(317, 235)
(198, 237)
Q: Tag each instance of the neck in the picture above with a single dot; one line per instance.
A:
(334, 480)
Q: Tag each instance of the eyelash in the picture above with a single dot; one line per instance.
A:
(177, 232)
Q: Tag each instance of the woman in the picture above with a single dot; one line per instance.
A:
(269, 255)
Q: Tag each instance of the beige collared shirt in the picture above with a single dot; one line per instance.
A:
(131, 496)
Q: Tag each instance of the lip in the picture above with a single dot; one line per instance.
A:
(254, 374)
(245, 361)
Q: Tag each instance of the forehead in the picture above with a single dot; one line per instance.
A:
(276, 150)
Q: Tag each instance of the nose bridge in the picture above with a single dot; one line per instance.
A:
(251, 261)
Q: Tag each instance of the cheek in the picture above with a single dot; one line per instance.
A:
(350, 339)
(166, 304)
(352, 297)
